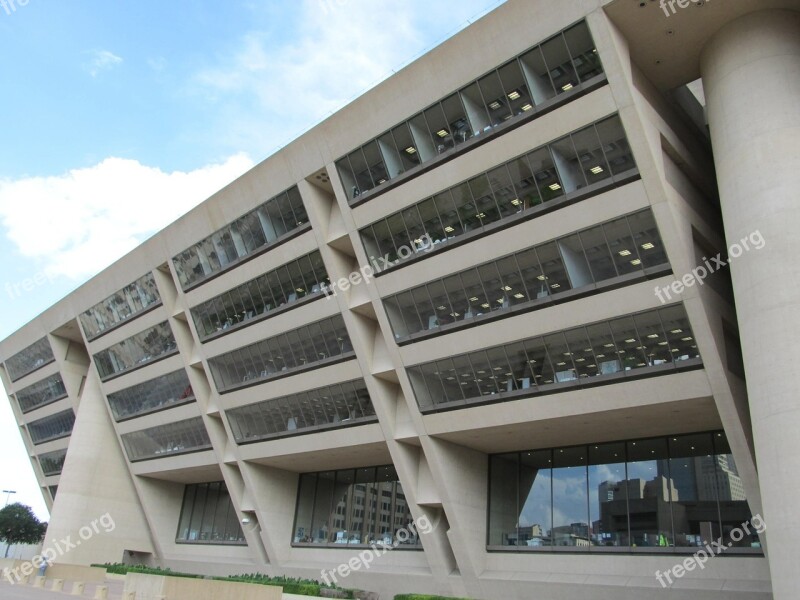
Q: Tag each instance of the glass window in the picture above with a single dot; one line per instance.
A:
(167, 440)
(608, 498)
(52, 462)
(136, 351)
(206, 516)
(163, 392)
(280, 354)
(31, 358)
(353, 507)
(535, 521)
(649, 493)
(120, 307)
(41, 393)
(570, 497)
(559, 63)
(257, 229)
(53, 427)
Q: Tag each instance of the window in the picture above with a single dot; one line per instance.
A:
(329, 509)
(31, 358)
(119, 307)
(167, 440)
(678, 492)
(166, 391)
(50, 428)
(559, 65)
(572, 262)
(52, 462)
(574, 162)
(208, 516)
(261, 296)
(138, 350)
(41, 393)
(281, 354)
(333, 406)
(260, 228)
(654, 340)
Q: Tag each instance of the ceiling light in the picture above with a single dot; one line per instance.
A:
(636, 262)
(300, 290)
(596, 170)
(411, 150)
(561, 364)
(527, 107)
(567, 87)
(630, 341)
(485, 305)
(653, 336)
(442, 133)
(648, 246)
(662, 343)
(541, 278)
(506, 288)
(555, 285)
(495, 105)
(677, 331)
(601, 356)
(449, 229)
(441, 308)
(501, 300)
(555, 187)
(687, 339)
(481, 215)
(514, 95)
(519, 296)
(516, 202)
(624, 252)
(473, 299)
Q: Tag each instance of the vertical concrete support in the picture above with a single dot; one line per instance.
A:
(57, 585)
(39, 582)
(751, 75)
(101, 592)
(77, 588)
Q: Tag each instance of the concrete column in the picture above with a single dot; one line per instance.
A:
(751, 75)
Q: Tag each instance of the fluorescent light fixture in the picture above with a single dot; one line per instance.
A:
(300, 290)
(555, 285)
(580, 360)
(516, 202)
(473, 299)
(601, 356)
(485, 305)
(449, 229)
(653, 336)
(411, 150)
(380, 181)
(608, 345)
(662, 343)
(519, 296)
(687, 339)
(636, 262)
(455, 315)
(441, 308)
(495, 105)
(561, 364)
(501, 300)
(624, 252)
(507, 288)
(596, 170)
(541, 278)
(527, 107)
(514, 95)
(677, 331)
(481, 215)
(567, 87)
(630, 341)
(442, 133)
(554, 186)
(648, 246)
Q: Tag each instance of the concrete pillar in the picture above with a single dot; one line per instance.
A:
(101, 592)
(78, 588)
(57, 585)
(39, 582)
(751, 75)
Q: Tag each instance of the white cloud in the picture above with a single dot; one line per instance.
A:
(78, 223)
(276, 83)
(102, 60)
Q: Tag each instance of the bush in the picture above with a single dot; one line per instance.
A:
(291, 585)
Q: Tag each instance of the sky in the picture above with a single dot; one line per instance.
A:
(117, 117)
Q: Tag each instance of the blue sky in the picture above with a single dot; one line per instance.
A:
(116, 117)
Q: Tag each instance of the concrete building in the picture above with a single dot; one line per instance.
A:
(466, 301)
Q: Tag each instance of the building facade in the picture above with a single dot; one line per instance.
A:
(474, 315)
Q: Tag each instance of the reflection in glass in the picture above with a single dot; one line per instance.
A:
(166, 440)
(136, 351)
(208, 516)
(119, 307)
(681, 491)
(31, 358)
(41, 393)
(353, 507)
